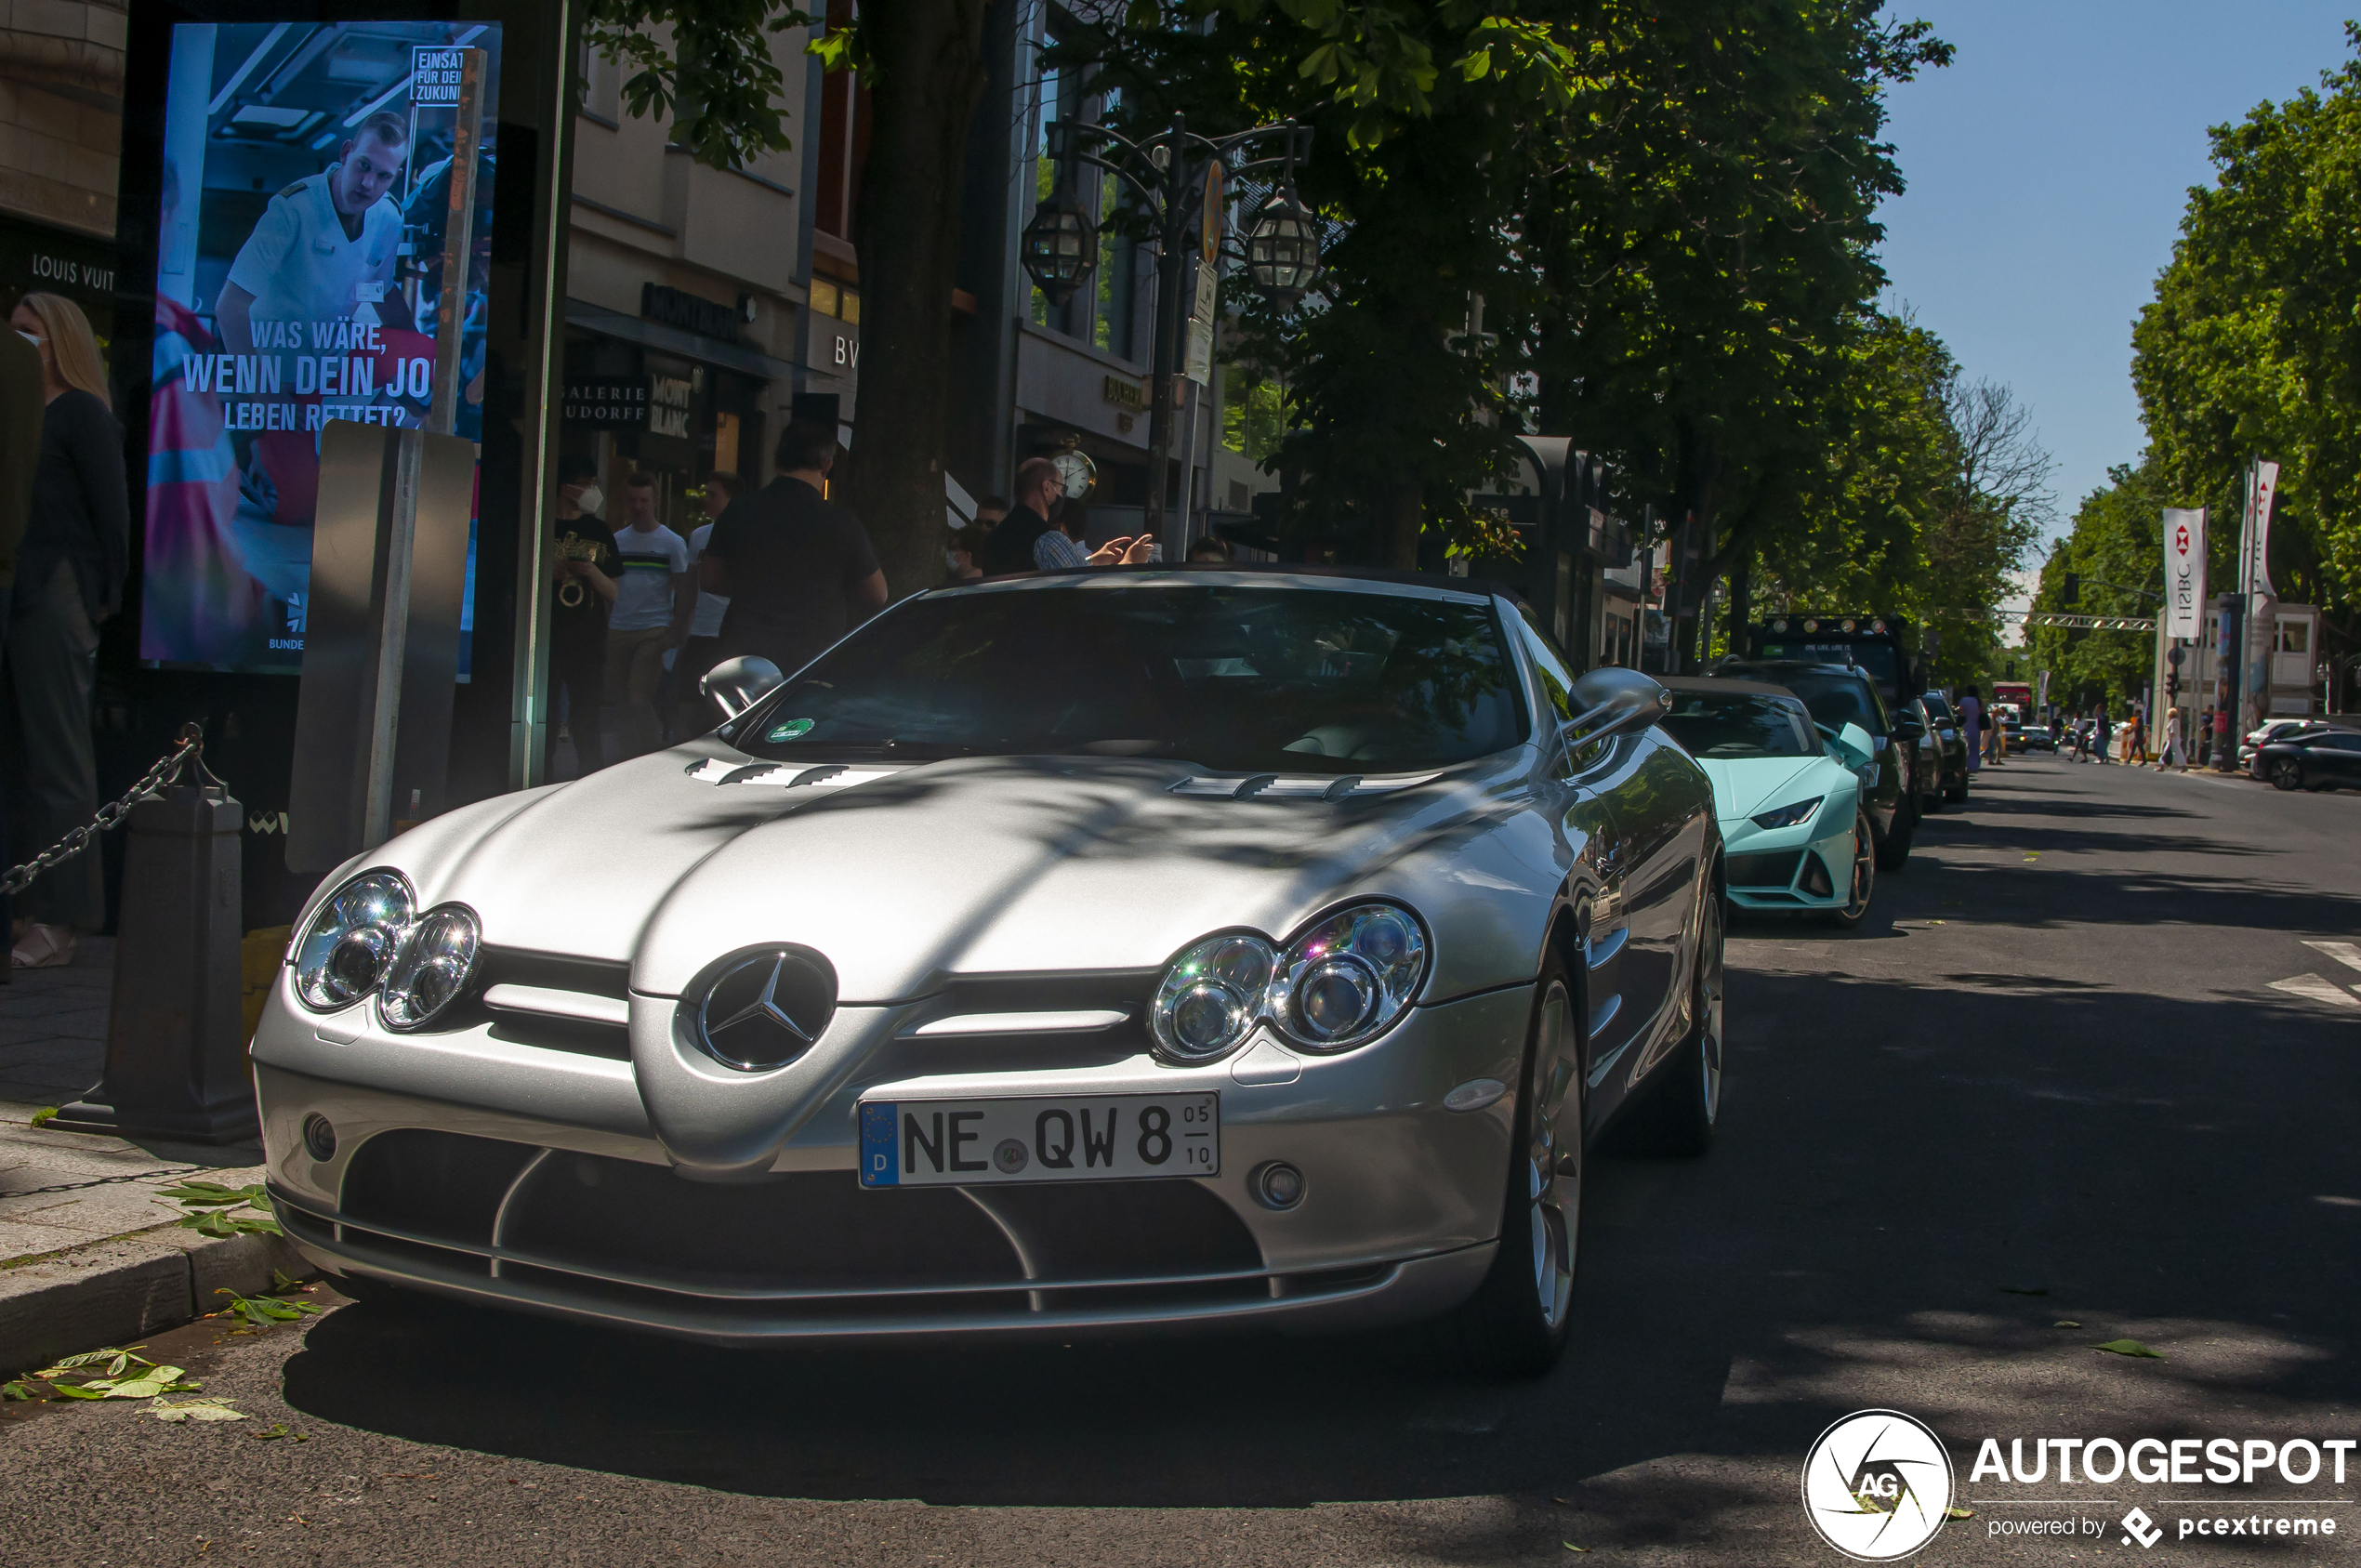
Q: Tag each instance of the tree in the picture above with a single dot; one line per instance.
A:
(2115, 552)
(2252, 346)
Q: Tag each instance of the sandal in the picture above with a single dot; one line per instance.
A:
(43, 947)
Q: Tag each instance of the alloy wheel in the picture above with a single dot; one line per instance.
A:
(1708, 1022)
(2286, 773)
(1865, 869)
(1553, 1165)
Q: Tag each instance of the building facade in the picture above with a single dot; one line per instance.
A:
(60, 135)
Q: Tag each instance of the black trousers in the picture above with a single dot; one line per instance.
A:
(53, 763)
(579, 669)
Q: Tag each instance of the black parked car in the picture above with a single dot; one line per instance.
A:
(1841, 694)
(2312, 760)
(1951, 785)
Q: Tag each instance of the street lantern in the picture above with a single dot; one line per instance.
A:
(1283, 250)
(1060, 247)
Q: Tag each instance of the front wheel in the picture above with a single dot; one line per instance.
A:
(1516, 1324)
(2286, 773)
(1685, 1093)
(1865, 874)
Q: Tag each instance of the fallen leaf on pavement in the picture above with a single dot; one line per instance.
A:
(1958, 1513)
(179, 1410)
(2128, 1348)
(2065, 1323)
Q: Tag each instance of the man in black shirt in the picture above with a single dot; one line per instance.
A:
(798, 572)
(585, 569)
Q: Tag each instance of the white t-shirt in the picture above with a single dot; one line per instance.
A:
(651, 560)
(300, 266)
(711, 607)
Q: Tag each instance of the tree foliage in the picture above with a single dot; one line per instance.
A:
(2253, 344)
(2116, 553)
(704, 64)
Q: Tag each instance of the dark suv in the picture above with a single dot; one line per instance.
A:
(1841, 694)
(1954, 746)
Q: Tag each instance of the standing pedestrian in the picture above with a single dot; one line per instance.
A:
(692, 714)
(1029, 541)
(585, 570)
(23, 383)
(2169, 753)
(1971, 725)
(2101, 733)
(798, 570)
(653, 608)
(967, 550)
(69, 578)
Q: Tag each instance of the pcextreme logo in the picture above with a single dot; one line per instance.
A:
(1877, 1485)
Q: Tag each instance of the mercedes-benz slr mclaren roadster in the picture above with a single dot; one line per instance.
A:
(1118, 949)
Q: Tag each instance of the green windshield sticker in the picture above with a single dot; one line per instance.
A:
(794, 729)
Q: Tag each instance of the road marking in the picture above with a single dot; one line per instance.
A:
(2342, 952)
(2317, 989)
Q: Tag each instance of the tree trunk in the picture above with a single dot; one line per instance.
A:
(1400, 513)
(928, 71)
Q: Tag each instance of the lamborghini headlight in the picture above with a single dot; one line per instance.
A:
(1787, 816)
(431, 967)
(347, 948)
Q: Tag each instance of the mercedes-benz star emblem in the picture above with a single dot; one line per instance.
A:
(765, 1010)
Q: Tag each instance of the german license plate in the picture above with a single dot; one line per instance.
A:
(969, 1142)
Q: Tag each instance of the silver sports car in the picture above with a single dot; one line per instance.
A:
(1120, 948)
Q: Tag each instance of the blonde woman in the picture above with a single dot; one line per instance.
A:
(70, 573)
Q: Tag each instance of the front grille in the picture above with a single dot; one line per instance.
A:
(550, 971)
(809, 1243)
(1765, 870)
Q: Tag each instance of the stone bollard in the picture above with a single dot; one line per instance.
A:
(176, 1041)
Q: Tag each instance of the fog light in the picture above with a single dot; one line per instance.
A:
(320, 1137)
(1277, 1185)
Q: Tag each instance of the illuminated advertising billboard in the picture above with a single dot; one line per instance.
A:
(306, 183)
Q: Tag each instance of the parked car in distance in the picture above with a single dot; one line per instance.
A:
(2267, 731)
(2314, 758)
(1914, 726)
(1837, 695)
(1789, 800)
(1953, 778)
(2033, 735)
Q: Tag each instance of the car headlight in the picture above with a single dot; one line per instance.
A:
(432, 965)
(1787, 816)
(347, 948)
(1339, 984)
(1212, 996)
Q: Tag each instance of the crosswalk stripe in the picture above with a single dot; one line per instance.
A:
(2342, 952)
(2317, 989)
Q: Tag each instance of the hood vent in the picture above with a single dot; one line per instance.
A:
(1278, 787)
(783, 775)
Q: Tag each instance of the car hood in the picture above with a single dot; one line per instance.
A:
(903, 875)
(1742, 786)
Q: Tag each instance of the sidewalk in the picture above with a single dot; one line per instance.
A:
(90, 1255)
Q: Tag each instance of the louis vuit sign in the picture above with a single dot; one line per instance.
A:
(607, 405)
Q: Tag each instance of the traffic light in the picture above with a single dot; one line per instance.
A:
(2073, 590)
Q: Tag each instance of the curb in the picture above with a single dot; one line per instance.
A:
(115, 1292)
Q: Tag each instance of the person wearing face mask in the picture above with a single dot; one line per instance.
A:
(69, 578)
(586, 568)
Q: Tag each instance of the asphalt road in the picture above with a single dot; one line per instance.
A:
(2053, 1060)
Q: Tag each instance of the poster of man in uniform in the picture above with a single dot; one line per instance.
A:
(305, 187)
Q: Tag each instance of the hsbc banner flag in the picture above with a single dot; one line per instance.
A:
(2183, 570)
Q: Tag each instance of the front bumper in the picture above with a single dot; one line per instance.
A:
(479, 1165)
(1806, 866)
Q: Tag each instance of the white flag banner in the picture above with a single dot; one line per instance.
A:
(2254, 539)
(2183, 570)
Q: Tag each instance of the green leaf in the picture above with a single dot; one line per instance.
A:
(1957, 1512)
(16, 1391)
(177, 1411)
(73, 1391)
(2128, 1348)
(43, 1116)
(2065, 1323)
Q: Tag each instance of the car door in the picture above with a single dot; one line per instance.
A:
(1590, 816)
(2338, 760)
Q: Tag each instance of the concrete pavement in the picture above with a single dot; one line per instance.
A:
(2049, 1081)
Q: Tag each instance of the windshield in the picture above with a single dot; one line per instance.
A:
(1245, 678)
(1876, 660)
(1740, 724)
(1938, 707)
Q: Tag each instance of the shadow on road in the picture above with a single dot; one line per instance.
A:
(1893, 1156)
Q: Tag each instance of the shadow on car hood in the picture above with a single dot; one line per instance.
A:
(902, 875)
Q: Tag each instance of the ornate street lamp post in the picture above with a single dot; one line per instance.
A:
(1166, 176)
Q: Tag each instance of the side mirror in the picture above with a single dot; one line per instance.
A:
(735, 685)
(1854, 747)
(1614, 700)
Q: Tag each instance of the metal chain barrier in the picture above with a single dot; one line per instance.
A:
(189, 747)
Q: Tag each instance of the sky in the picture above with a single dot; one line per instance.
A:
(2047, 167)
